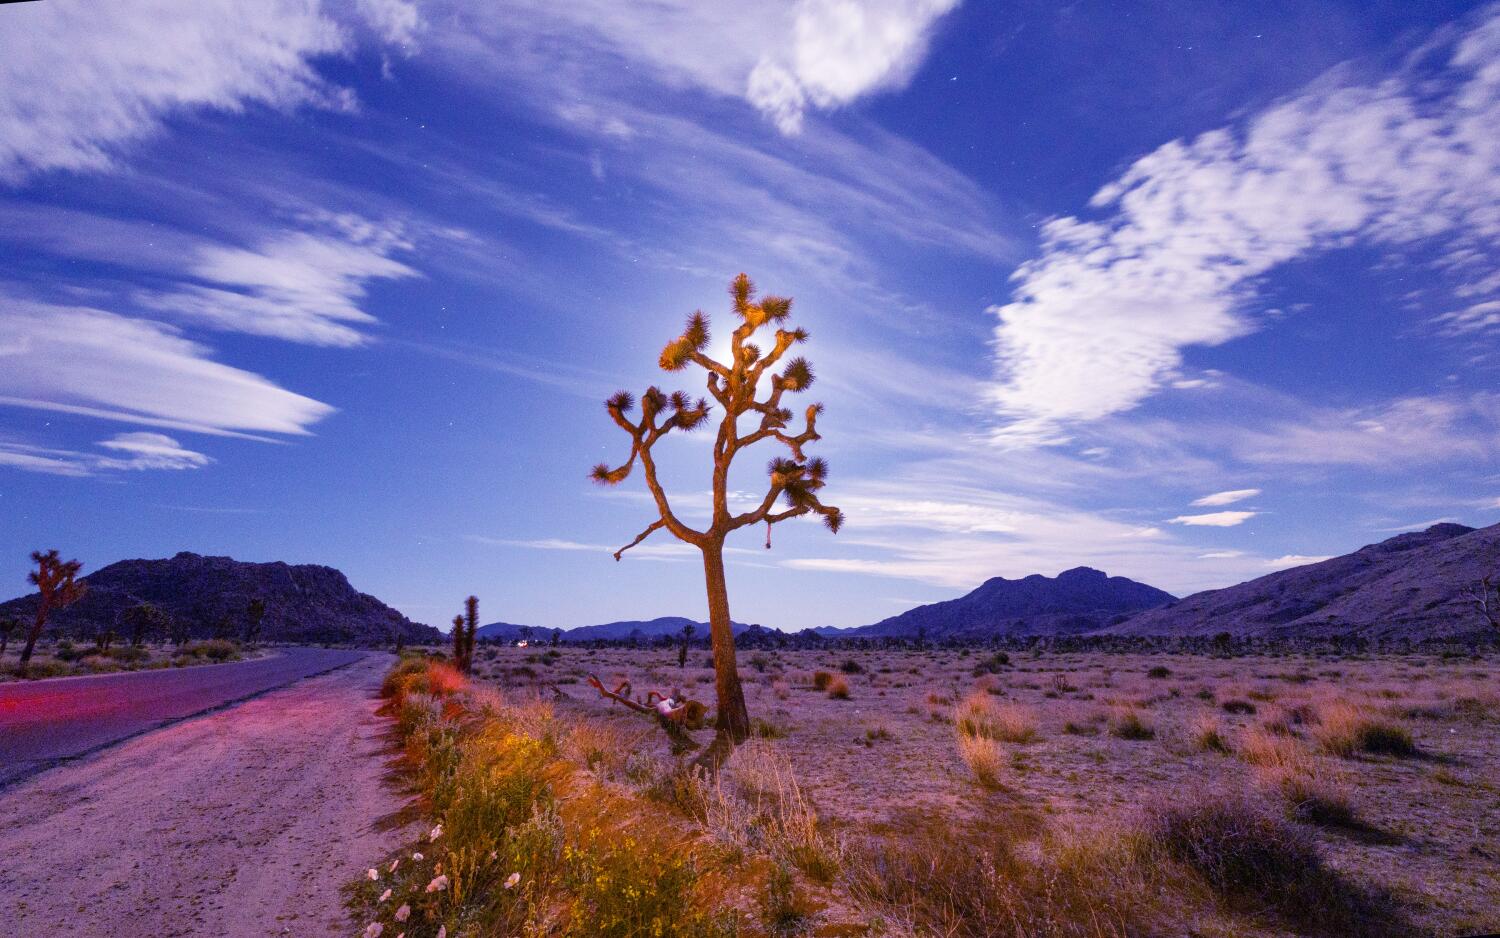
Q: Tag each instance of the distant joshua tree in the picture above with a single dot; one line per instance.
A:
(682, 649)
(1486, 597)
(734, 385)
(142, 620)
(57, 583)
(465, 627)
(8, 626)
(104, 639)
(255, 611)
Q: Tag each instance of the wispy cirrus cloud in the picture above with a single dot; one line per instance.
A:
(81, 360)
(1224, 498)
(1100, 320)
(304, 286)
(1214, 519)
(785, 57)
(130, 66)
(128, 452)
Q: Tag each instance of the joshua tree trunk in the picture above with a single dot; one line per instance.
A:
(39, 623)
(733, 717)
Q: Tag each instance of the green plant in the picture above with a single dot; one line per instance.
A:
(1128, 723)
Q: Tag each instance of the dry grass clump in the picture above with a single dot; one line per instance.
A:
(1207, 734)
(1129, 723)
(1345, 730)
(984, 757)
(756, 804)
(1261, 747)
(981, 715)
(838, 689)
(821, 680)
(989, 880)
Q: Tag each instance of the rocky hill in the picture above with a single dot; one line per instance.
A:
(304, 603)
(1410, 586)
(1077, 600)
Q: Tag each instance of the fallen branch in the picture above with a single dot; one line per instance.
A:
(673, 714)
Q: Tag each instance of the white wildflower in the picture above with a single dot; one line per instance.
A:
(384, 896)
(511, 880)
(442, 931)
(416, 858)
(403, 913)
(394, 864)
(438, 884)
(435, 833)
(373, 930)
(372, 874)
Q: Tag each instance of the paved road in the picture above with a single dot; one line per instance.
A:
(45, 722)
(241, 823)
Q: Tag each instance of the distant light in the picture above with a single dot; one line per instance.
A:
(521, 644)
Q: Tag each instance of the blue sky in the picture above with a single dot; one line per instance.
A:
(1188, 292)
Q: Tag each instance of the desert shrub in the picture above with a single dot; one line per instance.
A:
(624, 889)
(984, 758)
(1314, 800)
(215, 649)
(1159, 672)
(821, 680)
(1075, 728)
(994, 664)
(850, 666)
(67, 651)
(765, 729)
(395, 681)
(128, 654)
(43, 668)
(760, 662)
(1345, 730)
(1128, 723)
(838, 689)
(1255, 859)
(1207, 734)
(783, 910)
(878, 732)
(981, 715)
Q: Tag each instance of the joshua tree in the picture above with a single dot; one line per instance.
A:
(1486, 597)
(464, 628)
(58, 587)
(682, 649)
(255, 611)
(143, 619)
(104, 639)
(179, 629)
(734, 385)
(8, 625)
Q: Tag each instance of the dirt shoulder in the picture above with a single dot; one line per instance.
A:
(240, 823)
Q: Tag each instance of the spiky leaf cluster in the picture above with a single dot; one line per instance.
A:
(735, 384)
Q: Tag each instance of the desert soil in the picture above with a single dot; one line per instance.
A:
(240, 823)
(888, 753)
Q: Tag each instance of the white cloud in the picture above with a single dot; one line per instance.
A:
(783, 56)
(396, 21)
(1215, 519)
(1293, 560)
(130, 66)
(1224, 498)
(841, 50)
(141, 451)
(87, 361)
(1098, 322)
(1221, 554)
(302, 286)
(1472, 320)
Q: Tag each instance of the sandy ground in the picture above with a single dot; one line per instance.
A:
(241, 823)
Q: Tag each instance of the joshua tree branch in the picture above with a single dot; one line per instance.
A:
(650, 529)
